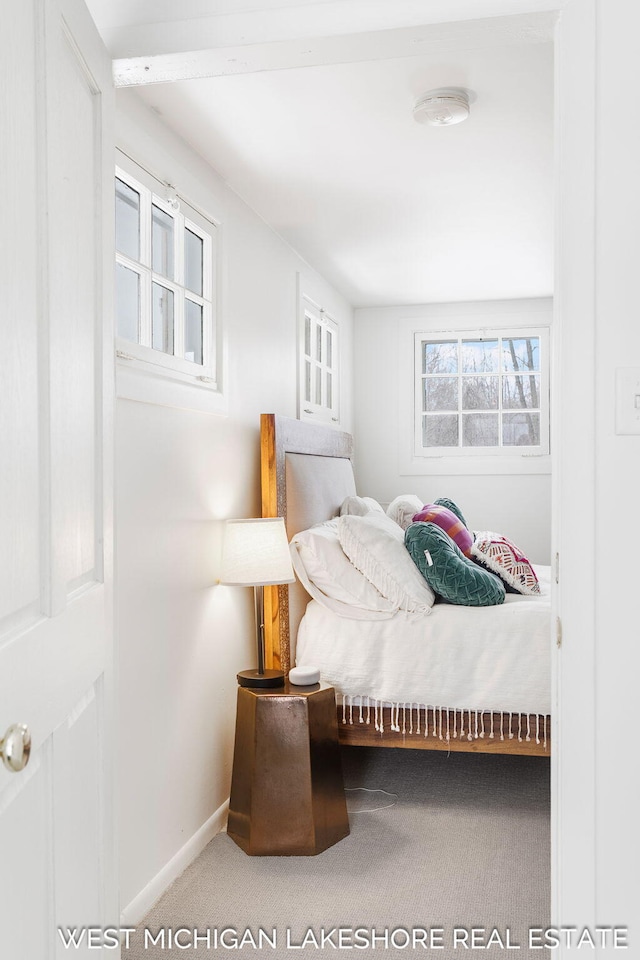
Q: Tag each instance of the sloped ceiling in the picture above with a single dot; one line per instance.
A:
(388, 210)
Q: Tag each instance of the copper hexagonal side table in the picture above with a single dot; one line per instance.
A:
(287, 792)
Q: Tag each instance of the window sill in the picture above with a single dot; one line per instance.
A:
(474, 466)
(141, 381)
(327, 418)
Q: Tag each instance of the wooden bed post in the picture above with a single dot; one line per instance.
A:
(276, 598)
(276, 655)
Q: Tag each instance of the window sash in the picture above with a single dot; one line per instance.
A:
(186, 218)
(319, 359)
(501, 411)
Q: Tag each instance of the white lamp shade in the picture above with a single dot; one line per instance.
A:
(256, 553)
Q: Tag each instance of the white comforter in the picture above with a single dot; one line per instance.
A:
(487, 658)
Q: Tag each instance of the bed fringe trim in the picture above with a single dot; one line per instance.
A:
(445, 723)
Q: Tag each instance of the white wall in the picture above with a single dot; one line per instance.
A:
(179, 474)
(517, 505)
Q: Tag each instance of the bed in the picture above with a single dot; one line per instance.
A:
(461, 679)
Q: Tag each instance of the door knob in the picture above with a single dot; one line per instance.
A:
(15, 748)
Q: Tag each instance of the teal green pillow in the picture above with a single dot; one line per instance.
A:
(450, 505)
(447, 571)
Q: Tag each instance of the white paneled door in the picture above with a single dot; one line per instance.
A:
(56, 397)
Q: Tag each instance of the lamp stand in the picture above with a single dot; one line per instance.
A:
(260, 677)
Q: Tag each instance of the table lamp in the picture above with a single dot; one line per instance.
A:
(256, 554)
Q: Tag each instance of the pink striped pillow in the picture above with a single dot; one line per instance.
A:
(447, 521)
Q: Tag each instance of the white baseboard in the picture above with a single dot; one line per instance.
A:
(139, 907)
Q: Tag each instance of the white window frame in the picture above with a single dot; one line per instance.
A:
(472, 454)
(141, 356)
(314, 369)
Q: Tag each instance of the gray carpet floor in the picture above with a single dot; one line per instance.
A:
(465, 845)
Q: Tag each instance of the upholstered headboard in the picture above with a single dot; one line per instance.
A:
(306, 473)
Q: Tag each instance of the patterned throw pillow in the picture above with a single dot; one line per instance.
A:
(449, 522)
(450, 574)
(499, 555)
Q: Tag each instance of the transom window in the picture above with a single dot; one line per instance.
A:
(165, 278)
(482, 393)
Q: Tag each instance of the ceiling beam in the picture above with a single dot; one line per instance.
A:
(440, 38)
(154, 31)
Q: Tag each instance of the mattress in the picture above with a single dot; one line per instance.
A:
(463, 658)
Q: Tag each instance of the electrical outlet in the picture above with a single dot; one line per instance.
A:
(628, 400)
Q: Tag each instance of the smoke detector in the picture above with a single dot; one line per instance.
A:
(442, 107)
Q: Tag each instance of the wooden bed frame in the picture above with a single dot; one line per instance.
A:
(279, 437)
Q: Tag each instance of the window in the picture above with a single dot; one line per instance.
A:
(165, 279)
(483, 393)
(319, 381)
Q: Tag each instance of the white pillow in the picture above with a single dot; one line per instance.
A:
(375, 545)
(360, 506)
(404, 508)
(329, 577)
